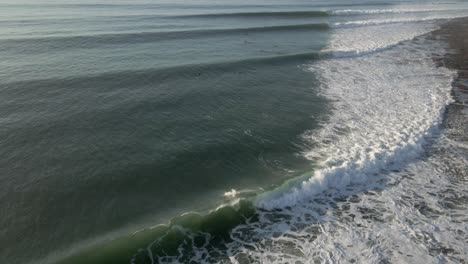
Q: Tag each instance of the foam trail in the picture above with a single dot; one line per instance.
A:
(386, 107)
(372, 22)
(343, 42)
(389, 11)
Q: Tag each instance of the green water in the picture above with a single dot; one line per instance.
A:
(120, 117)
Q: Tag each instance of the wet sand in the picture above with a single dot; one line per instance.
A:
(455, 32)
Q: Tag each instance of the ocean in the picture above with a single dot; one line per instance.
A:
(229, 132)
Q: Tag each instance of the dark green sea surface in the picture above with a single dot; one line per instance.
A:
(106, 132)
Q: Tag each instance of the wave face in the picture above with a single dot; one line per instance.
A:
(289, 132)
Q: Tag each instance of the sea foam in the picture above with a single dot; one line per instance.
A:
(389, 11)
(382, 21)
(352, 42)
(386, 107)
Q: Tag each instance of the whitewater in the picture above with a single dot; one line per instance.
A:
(386, 108)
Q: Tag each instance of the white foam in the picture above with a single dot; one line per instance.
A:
(382, 21)
(350, 42)
(386, 106)
(231, 194)
(389, 11)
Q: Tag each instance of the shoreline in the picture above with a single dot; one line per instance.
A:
(455, 33)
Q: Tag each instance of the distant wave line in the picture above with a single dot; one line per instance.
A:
(90, 41)
(179, 71)
(200, 70)
(187, 6)
(285, 14)
(386, 11)
(308, 14)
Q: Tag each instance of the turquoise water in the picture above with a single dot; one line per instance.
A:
(118, 116)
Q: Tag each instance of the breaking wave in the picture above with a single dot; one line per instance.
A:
(384, 113)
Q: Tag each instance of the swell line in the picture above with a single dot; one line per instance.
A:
(277, 14)
(90, 41)
(180, 71)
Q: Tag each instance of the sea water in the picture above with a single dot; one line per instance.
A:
(296, 132)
